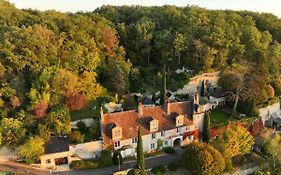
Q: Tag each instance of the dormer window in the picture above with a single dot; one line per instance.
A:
(179, 120)
(116, 133)
(153, 125)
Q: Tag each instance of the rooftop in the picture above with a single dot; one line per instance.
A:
(57, 144)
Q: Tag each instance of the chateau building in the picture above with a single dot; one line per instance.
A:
(170, 125)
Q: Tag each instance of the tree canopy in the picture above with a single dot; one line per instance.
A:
(202, 158)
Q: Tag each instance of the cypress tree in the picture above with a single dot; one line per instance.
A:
(163, 89)
(202, 91)
(206, 135)
(140, 154)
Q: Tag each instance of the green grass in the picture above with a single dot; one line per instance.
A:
(219, 117)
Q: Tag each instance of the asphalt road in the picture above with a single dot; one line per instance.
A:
(149, 163)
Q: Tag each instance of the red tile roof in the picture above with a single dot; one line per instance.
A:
(130, 120)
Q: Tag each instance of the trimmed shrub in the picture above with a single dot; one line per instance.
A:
(105, 161)
(86, 164)
(158, 170)
(173, 166)
(117, 158)
(106, 158)
(169, 150)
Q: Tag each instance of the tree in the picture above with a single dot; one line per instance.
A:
(140, 153)
(117, 158)
(202, 91)
(13, 132)
(235, 140)
(163, 97)
(32, 149)
(75, 102)
(206, 133)
(57, 122)
(202, 158)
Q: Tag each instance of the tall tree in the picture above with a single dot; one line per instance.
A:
(202, 91)
(235, 140)
(206, 133)
(202, 158)
(140, 153)
(163, 97)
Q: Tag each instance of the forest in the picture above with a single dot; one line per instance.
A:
(54, 66)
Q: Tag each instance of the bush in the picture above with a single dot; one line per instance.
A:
(117, 158)
(173, 166)
(105, 161)
(86, 164)
(82, 127)
(106, 158)
(76, 137)
(158, 169)
(169, 150)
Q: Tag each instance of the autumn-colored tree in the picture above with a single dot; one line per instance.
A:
(233, 141)
(202, 158)
(40, 110)
(75, 102)
(32, 149)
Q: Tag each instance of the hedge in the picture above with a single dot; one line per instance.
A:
(105, 161)
(158, 169)
(169, 150)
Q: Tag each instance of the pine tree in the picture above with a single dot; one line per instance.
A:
(140, 154)
(206, 135)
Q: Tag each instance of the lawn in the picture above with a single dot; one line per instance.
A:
(219, 117)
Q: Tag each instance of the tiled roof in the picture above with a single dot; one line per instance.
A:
(130, 120)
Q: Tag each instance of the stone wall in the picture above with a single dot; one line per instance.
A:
(266, 112)
(89, 150)
(196, 81)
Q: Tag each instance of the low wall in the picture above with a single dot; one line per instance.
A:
(267, 111)
(88, 122)
(196, 81)
(89, 150)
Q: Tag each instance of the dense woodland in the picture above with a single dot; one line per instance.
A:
(54, 65)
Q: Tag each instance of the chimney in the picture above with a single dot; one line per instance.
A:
(140, 108)
(168, 107)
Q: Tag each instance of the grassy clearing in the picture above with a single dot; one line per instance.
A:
(219, 117)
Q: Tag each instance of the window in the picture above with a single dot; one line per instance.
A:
(186, 128)
(162, 133)
(178, 130)
(165, 142)
(48, 161)
(134, 140)
(152, 146)
(116, 144)
(153, 136)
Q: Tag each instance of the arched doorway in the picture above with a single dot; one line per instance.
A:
(177, 143)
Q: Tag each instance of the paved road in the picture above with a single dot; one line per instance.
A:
(21, 169)
(149, 163)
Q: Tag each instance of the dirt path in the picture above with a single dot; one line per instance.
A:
(21, 169)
